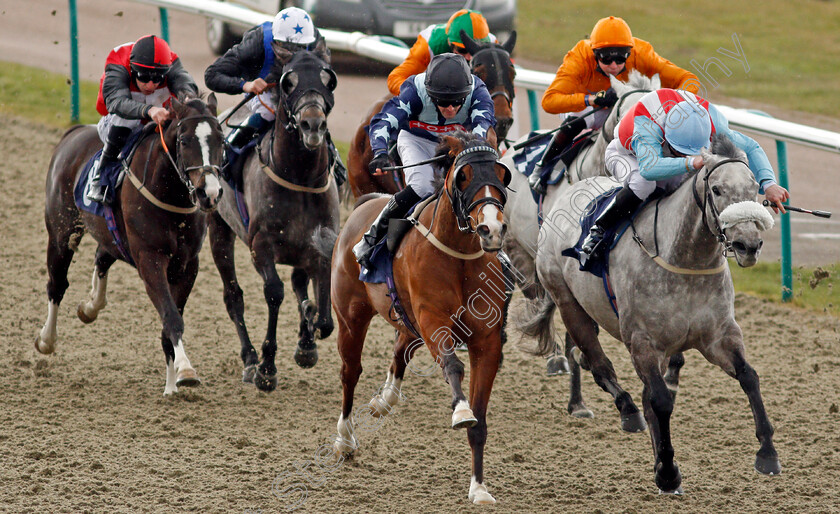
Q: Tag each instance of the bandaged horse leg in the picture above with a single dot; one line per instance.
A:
(89, 310)
(390, 393)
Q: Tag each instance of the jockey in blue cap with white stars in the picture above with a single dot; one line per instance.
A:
(244, 68)
(446, 98)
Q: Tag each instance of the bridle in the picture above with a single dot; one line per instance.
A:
(708, 199)
(177, 163)
(483, 159)
(304, 61)
(497, 76)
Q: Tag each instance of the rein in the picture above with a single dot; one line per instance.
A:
(708, 199)
(182, 173)
(269, 168)
(427, 233)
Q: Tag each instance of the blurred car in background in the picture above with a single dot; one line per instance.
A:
(401, 19)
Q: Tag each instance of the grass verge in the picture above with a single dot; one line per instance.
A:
(813, 288)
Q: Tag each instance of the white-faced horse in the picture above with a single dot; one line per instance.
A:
(672, 286)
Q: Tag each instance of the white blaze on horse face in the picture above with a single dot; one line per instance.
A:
(212, 187)
(489, 217)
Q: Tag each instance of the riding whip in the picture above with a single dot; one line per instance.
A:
(236, 108)
(552, 131)
(427, 161)
(821, 214)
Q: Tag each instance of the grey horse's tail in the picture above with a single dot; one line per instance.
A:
(538, 322)
(324, 239)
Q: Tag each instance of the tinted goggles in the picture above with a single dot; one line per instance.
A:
(609, 57)
(459, 50)
(450, 103)
(149, 76)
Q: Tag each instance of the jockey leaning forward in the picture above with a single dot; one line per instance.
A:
(437, 39)
(244, 68)
(138, 81)
(657, 142)
(446, 98)
(582, 82)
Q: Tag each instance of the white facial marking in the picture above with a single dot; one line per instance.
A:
(202, 132)
(212, 186)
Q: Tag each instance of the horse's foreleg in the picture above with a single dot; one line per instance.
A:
(263, 256)
(658, 405)
(324, 324)
(306, 354)
(585, 336)
(730, 357)
(351, 340)
(484, 359)
(672, 376)
(153, 270)
(60, 252)
(441, 341)
(222, 241)
(89, 310)
(390, 393)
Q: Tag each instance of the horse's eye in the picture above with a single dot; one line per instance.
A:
(716, 190)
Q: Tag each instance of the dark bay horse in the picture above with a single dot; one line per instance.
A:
(160, 216)
(292, 204)
(491, 63)
(673, 291)
(449, 283)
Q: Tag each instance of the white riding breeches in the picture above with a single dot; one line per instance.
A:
(623, 166)
(416, 149)
(256, 105)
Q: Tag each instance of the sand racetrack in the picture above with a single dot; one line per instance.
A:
(87, 429)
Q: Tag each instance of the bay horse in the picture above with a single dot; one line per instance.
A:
(160, 215)
(448, 279)
(673, 290)
(491, 63)
(291, 203)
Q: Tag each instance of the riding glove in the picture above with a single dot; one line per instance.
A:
(381, 160)
(606, 98)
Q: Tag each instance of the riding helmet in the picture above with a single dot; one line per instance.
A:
(688, 128)
(448, 78)
(151, 53)
(471, 22)
(293, 25)
(610, 31)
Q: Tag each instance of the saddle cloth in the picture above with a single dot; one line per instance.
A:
(110, 176)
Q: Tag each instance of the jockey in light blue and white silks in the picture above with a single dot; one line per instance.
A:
(638, 155)
(414, 121)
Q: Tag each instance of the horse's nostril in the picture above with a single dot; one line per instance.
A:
(483, 230)
(305, 125)
(739, 247)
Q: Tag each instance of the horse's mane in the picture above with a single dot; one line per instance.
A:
(443, 149)
(724, 147)
(198, 103)
(636, 80)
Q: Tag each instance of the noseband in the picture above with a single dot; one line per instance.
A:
(308, 67)
(709, 199)
(483, 160)
(183, 172)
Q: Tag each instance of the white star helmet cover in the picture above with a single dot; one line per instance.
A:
(293, 25)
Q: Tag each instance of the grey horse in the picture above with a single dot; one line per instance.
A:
(522, 218)
(672, 286)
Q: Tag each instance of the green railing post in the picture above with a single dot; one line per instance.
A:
(164, 24)
(74, 63)
(535, 113)
(787, 259)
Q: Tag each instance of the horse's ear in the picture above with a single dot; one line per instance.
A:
(212, 103)
(469, 43)
(510, 43)
(708, 157)
(177, 107)
(322, 51)
(453, 143)
(281, 55)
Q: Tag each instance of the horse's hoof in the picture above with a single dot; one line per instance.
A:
(581, 412)
(42, 346)
(463, 418)
(187, 378)
(676, 492)
(306, 358)
(265, 383)
(633, 422)
(479, 495)
(768, 465)
(248, 374)
(668, 483)
(344, 447)
(557, 365)
(80, 312)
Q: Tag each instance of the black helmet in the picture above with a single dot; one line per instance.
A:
(448, 78)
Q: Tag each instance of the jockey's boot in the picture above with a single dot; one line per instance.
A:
(338, 168)
(245, 132)
(570, 128)
(397, 207)
(622, 205)
(117, 136)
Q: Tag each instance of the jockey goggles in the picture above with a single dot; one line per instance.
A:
(612, 55)
(450, 103)
(145, 76)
